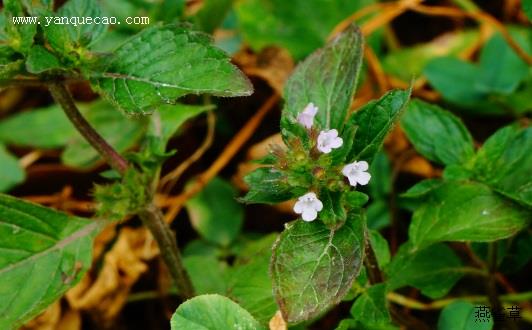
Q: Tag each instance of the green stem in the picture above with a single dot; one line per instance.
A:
(152, 218)
(62, 96)
(150, 215)
(375, 276)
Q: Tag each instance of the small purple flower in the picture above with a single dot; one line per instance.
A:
(356, 172)
(308, 206)
(328, 140)
(306, 117)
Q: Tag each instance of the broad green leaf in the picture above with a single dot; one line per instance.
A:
(501, 69)
(267, 185)
(212, 312)
(326, 78)
(466, 211)
(527, 8)
(371, 308)
(518, 254)
(313, 267)
(409, 62)
(40, 60)
(422, 188)
(19, 35)
(460, 315)
(505, 163)
(381, 248)
(250, 284)
(207, 273)
(374, 121)
(215, 213)
(72, 38)
(437, 134)
(296, 25)
(433, 270)
(120, 132)
(11, 173)
(455, 80)
(44, 252)
(173, 116)
(161, 64)
(43, 128)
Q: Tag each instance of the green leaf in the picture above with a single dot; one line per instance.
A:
(213, 312)
(163, 63)
(72, 38)
(120, 132)
(371, 308)
(9, 64)
(501, 69)
(381, 248)
(527, 8)
(19, 36)
(409, 62)
(380, 185)
(267, 185)
(333, 213)
(40, 60)
(378, 213)
(212, 14)
(355, 199)
(374, 121)
(11, 173)
(460, 315)
(313, 267)
(215, 213)
(172, 117)
(437, 134)
(44, 128)
(295, 25)
(326, 78)
(422, 188)
(505, 163)
(206, 273)
(455, 80)
(250, 284)
(31, 5)
(465, 211)
(433, 270)
(518, 254)
(44, 252)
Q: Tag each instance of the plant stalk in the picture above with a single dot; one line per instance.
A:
(151, 216)
(62, 96)
(375, 276)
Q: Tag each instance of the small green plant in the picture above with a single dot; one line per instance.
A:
(46, 252)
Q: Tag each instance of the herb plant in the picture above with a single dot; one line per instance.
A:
(363, 242)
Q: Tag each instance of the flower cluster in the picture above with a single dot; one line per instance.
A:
(309, 205)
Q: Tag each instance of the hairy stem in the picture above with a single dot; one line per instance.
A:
(62, 96)
(370, 261)
(375, 276)
(153, 219)
(150, 215)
